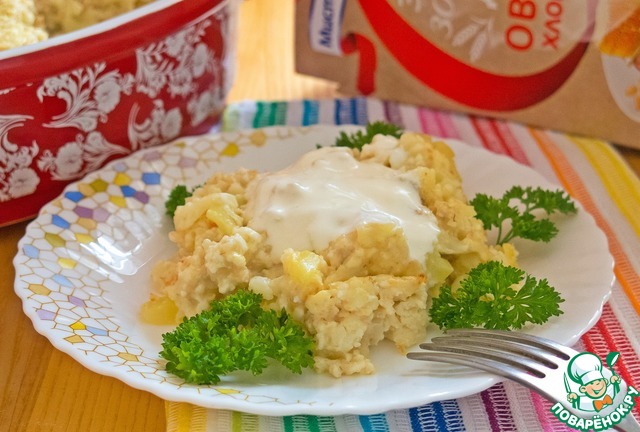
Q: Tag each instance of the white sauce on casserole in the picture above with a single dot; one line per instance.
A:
(328, 193)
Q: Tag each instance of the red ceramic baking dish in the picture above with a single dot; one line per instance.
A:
(70, 104)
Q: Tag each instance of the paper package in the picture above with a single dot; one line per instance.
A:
(569, 65)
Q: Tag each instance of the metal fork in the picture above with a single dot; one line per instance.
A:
(537, 363)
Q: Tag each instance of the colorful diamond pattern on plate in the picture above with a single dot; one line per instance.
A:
(89, 239)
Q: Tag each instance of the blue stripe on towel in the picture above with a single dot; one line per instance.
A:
(360, 114)
(310, 110)
(350, 111)
(437, 416)
(374, 423)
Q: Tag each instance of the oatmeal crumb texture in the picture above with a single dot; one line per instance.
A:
(363, 288)
(19, 24)
(24, 22)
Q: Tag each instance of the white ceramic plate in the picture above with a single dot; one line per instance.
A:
(82, 272)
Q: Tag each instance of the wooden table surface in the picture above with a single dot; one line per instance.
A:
(41, 388)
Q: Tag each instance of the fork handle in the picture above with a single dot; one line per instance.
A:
(628, 424)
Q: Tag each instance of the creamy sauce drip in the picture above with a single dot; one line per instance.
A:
(328, 193)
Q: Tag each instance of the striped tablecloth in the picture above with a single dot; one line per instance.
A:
(589, 169)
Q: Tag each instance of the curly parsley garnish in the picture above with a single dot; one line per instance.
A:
(358, 139)
(519, 205)
(494, 296)
(177, 197)
(235, 334)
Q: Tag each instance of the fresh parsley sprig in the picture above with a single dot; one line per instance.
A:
(494, 296)
(177, 197)
(520, 205)
(358, 139)
(235, 334)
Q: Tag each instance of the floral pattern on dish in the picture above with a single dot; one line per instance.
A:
(86, 116)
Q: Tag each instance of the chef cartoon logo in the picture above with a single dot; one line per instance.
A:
(596, 391)
(598, 397)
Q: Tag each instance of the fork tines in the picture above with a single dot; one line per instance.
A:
(510, 354)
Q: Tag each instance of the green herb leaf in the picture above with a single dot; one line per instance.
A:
(527, 209)
(494, 296)
(235, 334)
(177, 198)
(358, 139)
